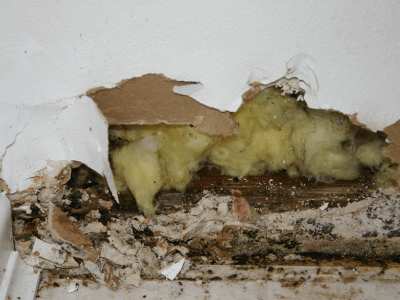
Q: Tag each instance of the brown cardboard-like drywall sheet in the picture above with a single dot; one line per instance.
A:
(150, 100)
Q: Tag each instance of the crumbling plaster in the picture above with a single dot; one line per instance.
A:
(345, 52)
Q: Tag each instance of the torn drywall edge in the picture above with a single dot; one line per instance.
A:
(300, 68)
(72, 130)
(343, 50)
(151, 99)
(29, 124)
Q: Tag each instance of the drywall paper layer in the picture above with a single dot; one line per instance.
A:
(37, 136)
(150, 99)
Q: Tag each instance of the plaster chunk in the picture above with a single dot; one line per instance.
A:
(148, 261)
(112, 254)
(94, 269)
(93, 227)
(131, 280)
(206, 202)
(35, 261)
(223, 209)
(50, 195)
(195, 211)
(93, 215)
(162, 248)
(17, 196)
(119, 243)
(293, 257)
(52, 252)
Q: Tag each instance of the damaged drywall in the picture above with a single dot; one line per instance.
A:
(150, 100)
(276, 131)
(194, 43)
(45, 74)
(59, 136)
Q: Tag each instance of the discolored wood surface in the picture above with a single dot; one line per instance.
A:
(269, 192)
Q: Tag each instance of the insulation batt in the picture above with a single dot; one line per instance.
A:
(276, 132)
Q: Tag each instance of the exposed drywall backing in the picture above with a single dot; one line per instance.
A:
(345, 53)
(150, 99)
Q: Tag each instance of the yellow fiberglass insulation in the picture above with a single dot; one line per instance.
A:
(157, 156)
(276, 132)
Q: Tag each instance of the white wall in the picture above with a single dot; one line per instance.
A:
(54, 51)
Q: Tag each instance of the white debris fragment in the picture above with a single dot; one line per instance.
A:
(148, 261)
(161, 248)
(198, 282)
(195, 211)
(207, 202)
(223, 209)
(26, 208)
(95, 271)
(119, 243)
(94, 227)
(272, 257)
(74, 286)
(93, 215)
(17, 196)
(23, 247)
(172, 271)
(42, 210)
(223, 199)
(106, 204)
(211, 228)
(35, 261)
(70, 263)
(140, 218)
(50, 194)
(66, 201)
(260, 283)
(293, 257)
(51, 252)
(289, 86)
(73, 219)
(323, 207)
(132, 280)
(85, 196)
(112, 254)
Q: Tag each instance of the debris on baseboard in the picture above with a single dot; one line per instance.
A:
(173, 270)
(324, 206)
(123, 249)
(52, 252)
(74, 286)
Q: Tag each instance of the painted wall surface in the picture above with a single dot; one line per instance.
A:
(345, 53)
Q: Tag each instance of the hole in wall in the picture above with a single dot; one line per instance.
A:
(276, 133)
(245, 189)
